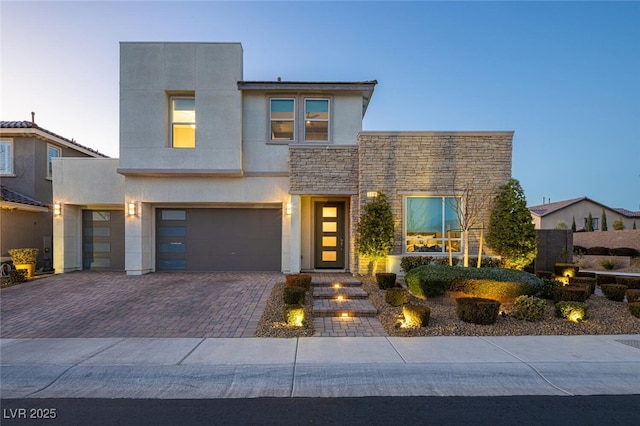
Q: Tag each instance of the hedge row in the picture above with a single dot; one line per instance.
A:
(604, 251)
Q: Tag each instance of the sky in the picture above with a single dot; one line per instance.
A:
(564, 76)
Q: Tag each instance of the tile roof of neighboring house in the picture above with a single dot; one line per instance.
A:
(9, 195)
(545, 209)
(31, 125)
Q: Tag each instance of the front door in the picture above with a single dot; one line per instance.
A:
(329, 235)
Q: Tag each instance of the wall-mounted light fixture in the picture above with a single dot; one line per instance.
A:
(131, 208)
(372, 194)
(57, 209)
(288, 210)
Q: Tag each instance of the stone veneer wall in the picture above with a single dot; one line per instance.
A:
(403, 163)
(323, 169)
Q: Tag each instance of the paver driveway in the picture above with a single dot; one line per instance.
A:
(112, 304)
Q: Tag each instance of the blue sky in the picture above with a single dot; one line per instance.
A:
(565, 76)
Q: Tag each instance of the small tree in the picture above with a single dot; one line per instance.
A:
(634, 224)
(573, 224)
(511, 233)
(604, 220)
(589, 226)
(375, 234)
(618, 225)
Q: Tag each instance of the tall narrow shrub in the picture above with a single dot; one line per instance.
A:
(573, 224)
(589, 227)
(511, 233)
(604, 220)
(375, 234)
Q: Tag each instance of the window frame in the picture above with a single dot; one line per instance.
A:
(446, 202)
(173, 123)
(307, 119)
(50, 158)
(271, 119)
(299, 119)
(10, 155)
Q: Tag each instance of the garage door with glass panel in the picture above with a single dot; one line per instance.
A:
(221, 239)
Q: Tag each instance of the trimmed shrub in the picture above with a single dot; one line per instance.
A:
(298, 280)
(386, 280)
(17, 276)
(565, 269)
(294, 315)
(591, 282)
(396, 296)
(573, 311)
(408, 263)
(623, 251)
(493, 289)
(416, 315)
(614, 292)
(293, 295)
(634, 308)
(545, 275)
(633, 295)
(444, 261)
(606, 279)
(630, 282)
(477, 310)
(598, 251)
(487, 262)
(529, 308)
(584, 274)
(434, 280)
(579, 250)
(546, 292)
(569, 293)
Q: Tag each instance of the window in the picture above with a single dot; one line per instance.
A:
(282, 119)
(183, 122)
(427, 220)
(6, 157)
(594, 223)
(52, 152)
(316, 120)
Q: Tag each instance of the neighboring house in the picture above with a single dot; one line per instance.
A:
(561, 214)
(26, 155)
(219, 173)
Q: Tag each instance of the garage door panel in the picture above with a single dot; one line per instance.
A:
(234, 239)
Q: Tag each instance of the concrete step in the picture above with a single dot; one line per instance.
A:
(341, 283)
(333, 293)
(350, 308)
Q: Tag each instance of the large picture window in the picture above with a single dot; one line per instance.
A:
(427, 220)
(6, 157)
(183, 122)
(282, 119)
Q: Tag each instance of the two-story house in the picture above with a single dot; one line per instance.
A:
(26, 195)
(219, 173)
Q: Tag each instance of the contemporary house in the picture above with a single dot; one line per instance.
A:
(26, 195)
(562, 214)
(219, 173)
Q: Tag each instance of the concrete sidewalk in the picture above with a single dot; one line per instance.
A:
(163, 368)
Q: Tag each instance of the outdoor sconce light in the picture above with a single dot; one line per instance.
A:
(372, 194)
(131, 208)
(289, 209)
(57, 209)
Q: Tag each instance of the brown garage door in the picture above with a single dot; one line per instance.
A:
(223, 239)
(103, 240)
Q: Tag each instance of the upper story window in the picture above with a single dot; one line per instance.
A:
(427, 222)
(52, 152)
(6, 157)
(594, 223)
(282, 119)
(316, 120)
(183, 122)
(286, 120)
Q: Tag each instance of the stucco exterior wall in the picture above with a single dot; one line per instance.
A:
(149, 74)
(84, 181)
(430, 163)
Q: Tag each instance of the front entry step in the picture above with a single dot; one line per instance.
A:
(343, 308)
(345, 293)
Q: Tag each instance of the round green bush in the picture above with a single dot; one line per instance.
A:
(630, 282)
(385, 280)
(569, 293)
(614, 292)
(416, 315)
(529, 308)
(396, 296)
(477, 310)
(573, 311)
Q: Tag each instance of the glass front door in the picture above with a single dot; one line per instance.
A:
(329, 235)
